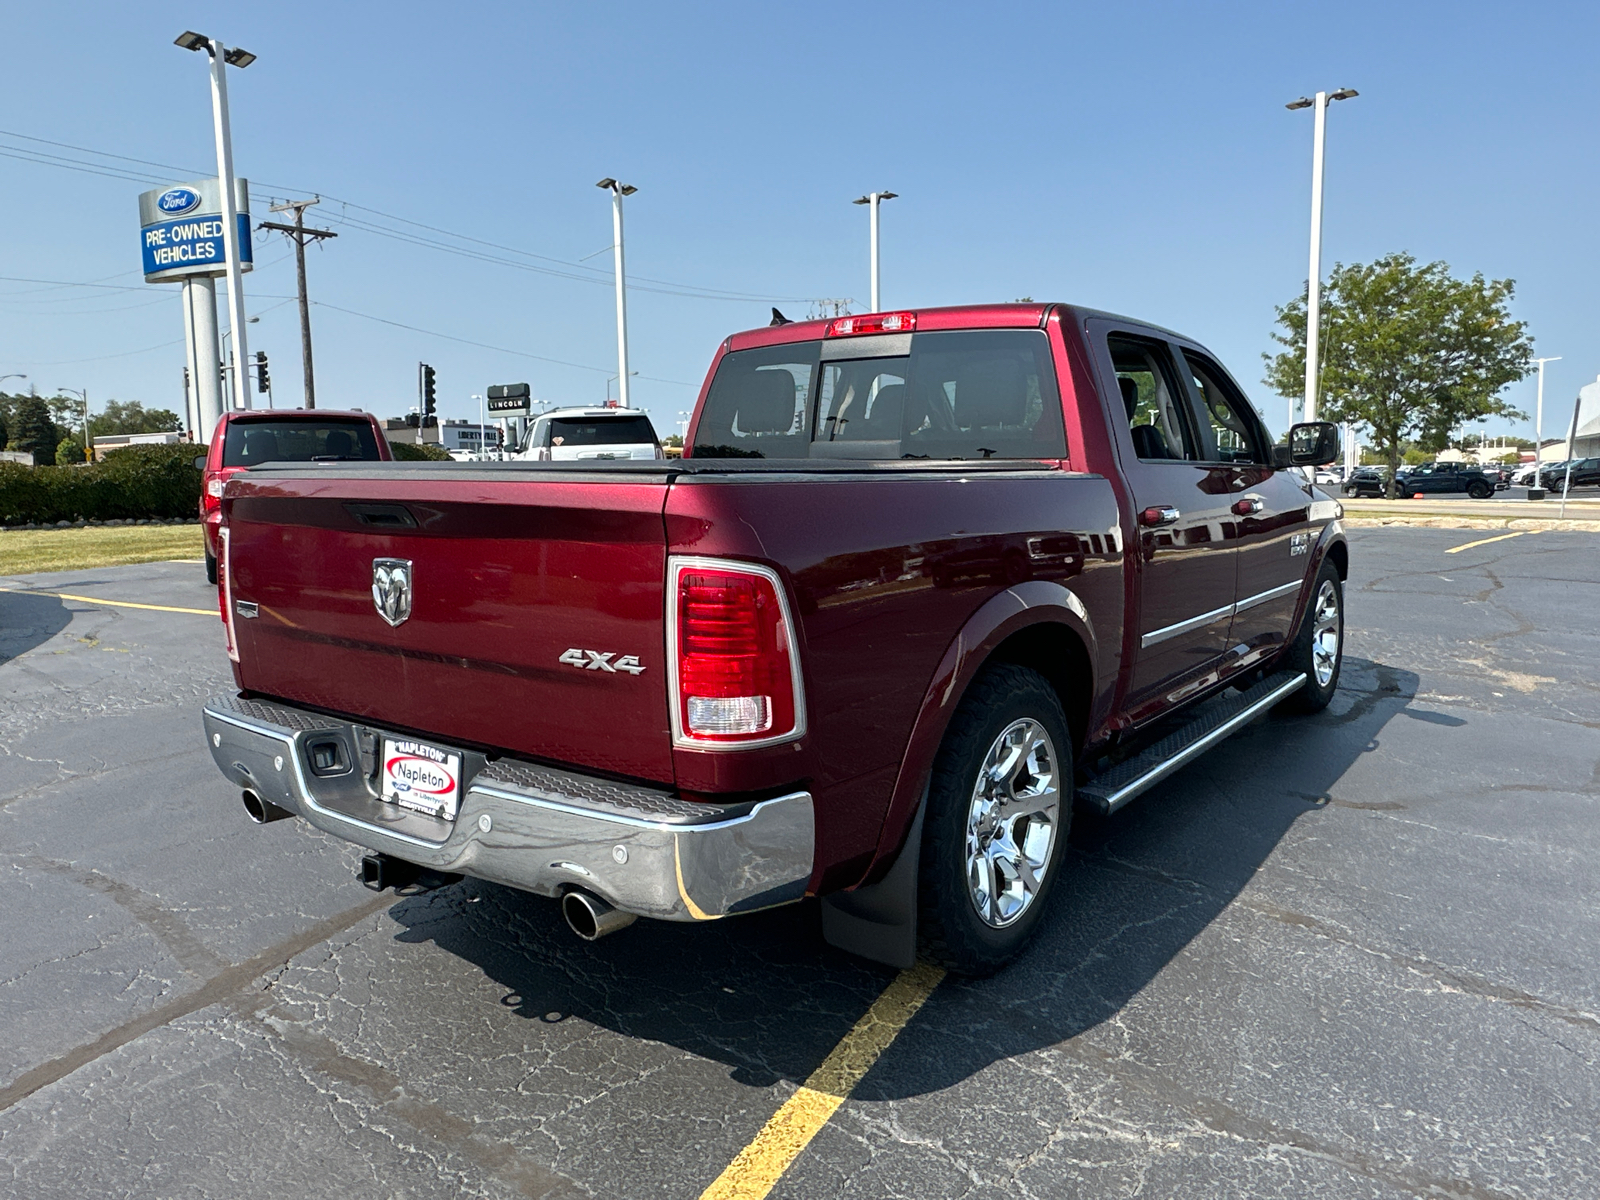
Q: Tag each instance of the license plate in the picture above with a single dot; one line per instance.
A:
(421, 777)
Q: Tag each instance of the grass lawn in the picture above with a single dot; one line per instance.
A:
(26, 550)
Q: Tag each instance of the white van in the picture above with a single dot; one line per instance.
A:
(570, 434)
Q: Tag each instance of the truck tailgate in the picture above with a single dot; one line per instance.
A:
(509, 572)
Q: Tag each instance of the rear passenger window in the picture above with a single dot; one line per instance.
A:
(1150, 400)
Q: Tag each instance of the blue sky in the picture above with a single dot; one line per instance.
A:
(1135, 157)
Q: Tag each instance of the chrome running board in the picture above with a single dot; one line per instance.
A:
(1217, 719)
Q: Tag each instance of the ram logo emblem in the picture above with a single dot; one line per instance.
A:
(600, 660)
(391, 588)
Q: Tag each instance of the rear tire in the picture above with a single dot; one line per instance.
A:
(211, 568)
(999, 808)
(1318, 649)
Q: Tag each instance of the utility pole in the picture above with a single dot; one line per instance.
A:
(298, 234)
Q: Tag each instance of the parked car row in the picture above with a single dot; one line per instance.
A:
(1555, 477)
(1430, 479)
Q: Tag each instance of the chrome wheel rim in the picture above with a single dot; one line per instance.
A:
(1325, 633)
(1012, 821)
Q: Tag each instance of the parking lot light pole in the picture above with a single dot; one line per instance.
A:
(221, 59)
(83, 394)
(1314, 276)
(618, 191)
(873, 199)
(1538, 417)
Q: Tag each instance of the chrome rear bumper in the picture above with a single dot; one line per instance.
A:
(536, 828)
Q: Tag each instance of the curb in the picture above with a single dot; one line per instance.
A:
(1515, 524)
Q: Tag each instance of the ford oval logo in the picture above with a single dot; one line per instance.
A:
(177, 201)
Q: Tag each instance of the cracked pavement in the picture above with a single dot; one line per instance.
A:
(1351, 955)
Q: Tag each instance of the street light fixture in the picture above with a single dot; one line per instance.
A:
(88, 451)
(1314, 279)
(13, 375)
(221, 58)
(874, 199)
(1538, 419)
(618, 191)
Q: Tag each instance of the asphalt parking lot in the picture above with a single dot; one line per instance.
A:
(1351, 955)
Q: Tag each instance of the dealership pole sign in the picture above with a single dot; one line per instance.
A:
(509, 399)
(181, 230)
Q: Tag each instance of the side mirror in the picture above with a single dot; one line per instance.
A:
(200, 462)
(1313, 444)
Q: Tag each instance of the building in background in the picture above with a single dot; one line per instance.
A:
(1587, 442)
(469, 437)
(115, 441)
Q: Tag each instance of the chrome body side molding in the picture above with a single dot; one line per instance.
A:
(1157, 636)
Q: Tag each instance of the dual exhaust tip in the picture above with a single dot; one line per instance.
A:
(588, 916)
(262, 810)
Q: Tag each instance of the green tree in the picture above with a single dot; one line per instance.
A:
(69, 450)
(1408, 351)
(35, 431)
(132, 417)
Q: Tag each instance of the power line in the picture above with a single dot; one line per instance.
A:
(115, 287)
(594, 275)
(449, 337)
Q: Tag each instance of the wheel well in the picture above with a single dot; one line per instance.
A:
(1339, 553)
(1057, 653)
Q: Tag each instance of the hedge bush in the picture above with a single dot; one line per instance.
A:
(409, 452)
(133, 483)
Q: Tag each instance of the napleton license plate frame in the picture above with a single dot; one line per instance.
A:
(428, 779)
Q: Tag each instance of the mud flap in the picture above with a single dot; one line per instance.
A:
(879, 921)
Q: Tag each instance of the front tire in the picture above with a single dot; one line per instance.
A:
(999, 807)
(1318, 649)
(1480, 491)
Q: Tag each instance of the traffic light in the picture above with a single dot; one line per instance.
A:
(425, 388)
(263, 380)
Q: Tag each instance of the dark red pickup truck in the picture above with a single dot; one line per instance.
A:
(921, 582)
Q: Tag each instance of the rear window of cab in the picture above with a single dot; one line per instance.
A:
(251, 443)
(969, 394)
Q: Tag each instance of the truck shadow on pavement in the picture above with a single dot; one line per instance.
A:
(765, 996)
(28, 621)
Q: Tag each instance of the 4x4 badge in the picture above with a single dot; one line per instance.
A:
(600, 660)
(391, 588)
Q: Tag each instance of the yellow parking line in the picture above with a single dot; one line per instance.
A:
(199, 612)
(762, 1163)
(1484, 541)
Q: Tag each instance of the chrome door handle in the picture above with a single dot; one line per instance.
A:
(1160, 514)
(1248, 506)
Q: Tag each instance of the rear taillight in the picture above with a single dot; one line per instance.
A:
(735, 679)
(899, 322)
